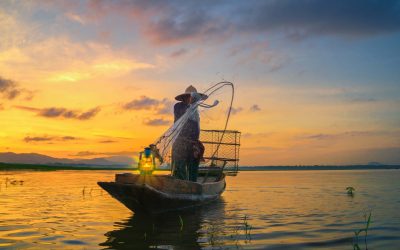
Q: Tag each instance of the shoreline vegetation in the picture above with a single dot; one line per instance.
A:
(41, 167)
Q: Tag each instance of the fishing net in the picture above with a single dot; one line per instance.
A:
(221, 146)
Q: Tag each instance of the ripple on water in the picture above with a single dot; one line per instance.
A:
(345, 242)
(6, 243)
(51, 238)
(73, 242)
(22, 234)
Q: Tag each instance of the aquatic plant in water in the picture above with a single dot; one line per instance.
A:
(13, 182)
(356, 246)
(246, 228)
(181, 222)
(212, 232)
(350, 190)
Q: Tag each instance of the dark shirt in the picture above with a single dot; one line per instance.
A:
(191, 130)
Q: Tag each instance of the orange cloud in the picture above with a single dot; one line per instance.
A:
(57, 112)
(11, 90)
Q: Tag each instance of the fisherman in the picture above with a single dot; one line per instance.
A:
(187, 150)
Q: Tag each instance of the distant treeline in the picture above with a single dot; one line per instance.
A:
(316, 167)
(38, 167)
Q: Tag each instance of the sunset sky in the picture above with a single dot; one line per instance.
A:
(317, 82)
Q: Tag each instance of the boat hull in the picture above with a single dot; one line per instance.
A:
(159, 194)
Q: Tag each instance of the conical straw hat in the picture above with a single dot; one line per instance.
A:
(189, 90)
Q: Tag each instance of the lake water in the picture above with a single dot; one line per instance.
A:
(258, 210)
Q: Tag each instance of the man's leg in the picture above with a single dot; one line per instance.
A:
(180, 163)
(180, 169)
(193, 169)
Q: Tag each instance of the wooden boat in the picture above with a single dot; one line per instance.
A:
(155, 194)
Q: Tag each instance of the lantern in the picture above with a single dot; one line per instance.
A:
(146, 162)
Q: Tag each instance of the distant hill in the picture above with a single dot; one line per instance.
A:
(33, 158)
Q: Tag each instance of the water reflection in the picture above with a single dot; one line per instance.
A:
(188, 229)
(285, 210)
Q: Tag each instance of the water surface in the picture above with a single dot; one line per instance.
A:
(259, 210)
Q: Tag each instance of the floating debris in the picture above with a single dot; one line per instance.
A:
(14, 182)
